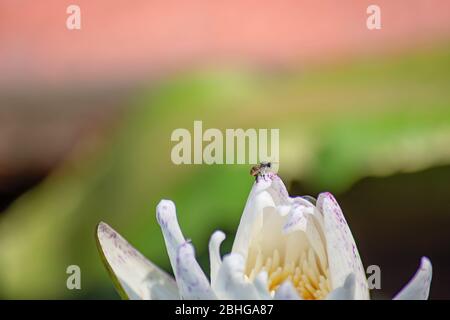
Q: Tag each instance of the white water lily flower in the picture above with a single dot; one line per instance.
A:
(285, 248)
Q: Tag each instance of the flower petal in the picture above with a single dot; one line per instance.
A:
(231, 283)
(306, 219)
(343, 256)
(297, 218)
(214, 253)
(251, 219)
(190, 277)
(268, 194)
(346, 291)
(134, 276)
(286, 291)
(173, 237)
(261, 284)
(418, 288)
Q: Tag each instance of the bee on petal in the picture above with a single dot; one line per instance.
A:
(260, 169)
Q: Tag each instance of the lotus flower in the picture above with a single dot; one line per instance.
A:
(285, 248)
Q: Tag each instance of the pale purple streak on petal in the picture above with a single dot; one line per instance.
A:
(173, 237)
(297, 218)
(418, 288)
(343, 256)
(191, 279)
(138, 277)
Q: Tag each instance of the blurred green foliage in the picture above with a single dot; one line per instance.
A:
(337, 124)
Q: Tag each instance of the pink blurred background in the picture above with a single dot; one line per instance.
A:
(122, 41)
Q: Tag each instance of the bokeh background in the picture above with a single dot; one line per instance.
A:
(86, 117)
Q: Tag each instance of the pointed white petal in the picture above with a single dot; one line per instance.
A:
(134, 276)
(268, 194)
(343, 256)
(231, 282)
(286, 292)
(278, 191)
(214, 253)
(190, 277)
(251, 219)
(418, 288)
(346, 291)
(173, 237)
(316, 238)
